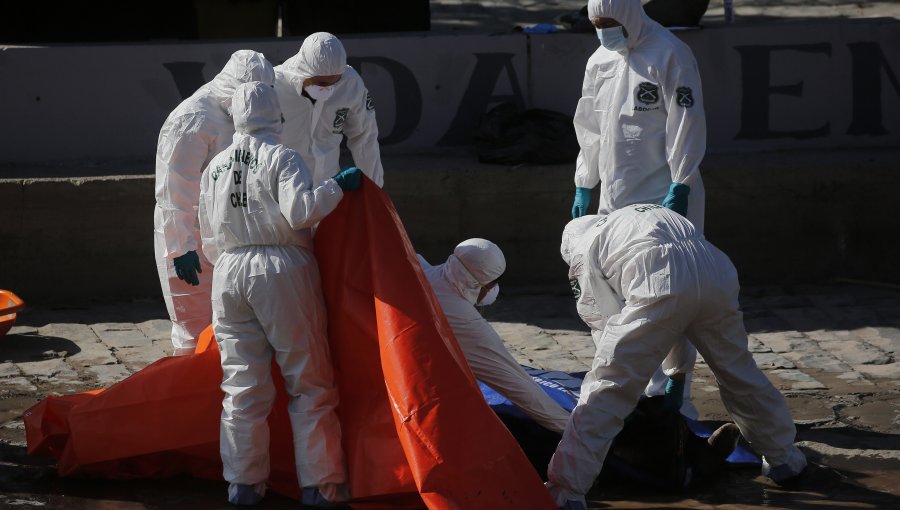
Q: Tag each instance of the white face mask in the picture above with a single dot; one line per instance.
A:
(491, 296)
(319, 93)
(612, 38)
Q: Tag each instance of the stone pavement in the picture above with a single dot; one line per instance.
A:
(833, 350)
(841, 341)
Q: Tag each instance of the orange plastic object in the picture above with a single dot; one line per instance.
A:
(9, 305)
(416, 429)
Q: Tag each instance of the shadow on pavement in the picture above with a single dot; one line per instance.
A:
(31, 347)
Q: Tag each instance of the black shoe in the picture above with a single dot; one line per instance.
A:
(724, 440)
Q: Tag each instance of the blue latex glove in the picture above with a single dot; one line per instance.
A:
(582, 202)
(349, 179)
(677, 199)
(674, 394)
(187, 266)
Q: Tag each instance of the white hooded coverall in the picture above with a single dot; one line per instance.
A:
(641, 126)
(257, 205)
(640, 121)
(198, 129)
(315, 128)
(673, 282)
(456, 284)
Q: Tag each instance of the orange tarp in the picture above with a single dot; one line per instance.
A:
(415, 426)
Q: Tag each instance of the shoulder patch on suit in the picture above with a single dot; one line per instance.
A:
(685, 97)
(370, 103)
(340, 117)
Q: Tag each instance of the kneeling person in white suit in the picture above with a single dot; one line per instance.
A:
(257, 204)
(469, 278)
(673, 282)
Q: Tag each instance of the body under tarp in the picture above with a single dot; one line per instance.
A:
(416, 429)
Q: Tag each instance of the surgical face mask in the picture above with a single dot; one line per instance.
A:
(612, 38)
(491, 296)
(319, 93)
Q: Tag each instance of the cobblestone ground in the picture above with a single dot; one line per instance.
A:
(832, 350)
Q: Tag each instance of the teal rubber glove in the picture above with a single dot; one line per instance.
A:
(582, 202)
(349, 179)
(677, 198)
(674, 394)
(187, 266)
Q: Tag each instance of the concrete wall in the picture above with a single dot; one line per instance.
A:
(782, 217)
(783, 85)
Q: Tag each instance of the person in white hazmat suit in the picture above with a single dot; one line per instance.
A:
(469, 278)
(642, 131)
(324, 100)
(673, 282)
(257, 204)
(198, 129)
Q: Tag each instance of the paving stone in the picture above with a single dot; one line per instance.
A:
(797, 380)
(887, 371)
(107, 375)
(136, 358)
(772, 360)
(78, 333)
(784, 341)
(165, 345)
(93, 353)
(16, 385)
(22, 330)
(51, 368)
(756, 346)
(574, 342)
(9, 370)
(818, 360)
(856, 352)
(888, 345)
(855, 378)
(156, 329)
(120, 335)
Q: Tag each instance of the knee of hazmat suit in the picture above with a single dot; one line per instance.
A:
(257, 206)
(640, 122)
(198, 129)
(322, 99)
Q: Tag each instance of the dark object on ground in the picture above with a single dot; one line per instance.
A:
(668, 13)
(509, 135)
(576, 21)
(676, 13)
(655, 448)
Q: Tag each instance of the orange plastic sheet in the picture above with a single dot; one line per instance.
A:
(416, 429)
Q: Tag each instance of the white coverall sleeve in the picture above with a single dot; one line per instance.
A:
(587, 131)
(494, 365)
(207, 236)
(361, 130)
(302, 205)
(685, 121)
(179, 162)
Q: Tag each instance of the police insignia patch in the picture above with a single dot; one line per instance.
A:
(370, 103)
(340, 117)
(685, 97)
(647, 93)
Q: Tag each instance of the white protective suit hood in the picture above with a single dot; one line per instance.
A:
(244, 66)
(321, 54)
(596, 301)
(255, 110)
(629, 13)
(474, 264)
